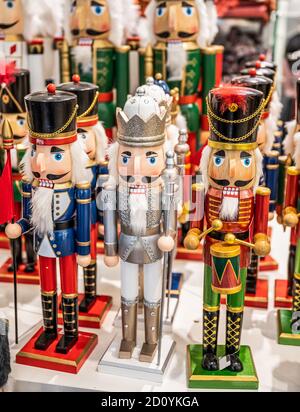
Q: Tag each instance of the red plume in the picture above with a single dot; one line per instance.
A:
(7, 73)
(231, 95)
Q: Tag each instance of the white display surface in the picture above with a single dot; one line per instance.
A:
(278, 367)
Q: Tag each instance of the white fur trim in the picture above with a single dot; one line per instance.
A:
(116, 11)
(270, 128)
(204, 166)
(80, 159)
(145, 26)
(229, 210)
(101, 142)
(205, 31)
(113, 164)
(297, 150)
(176, 61)
(130, 17)
(213, 20)
(83, 55)
(259, 168)
(288, 143)
(42, 204)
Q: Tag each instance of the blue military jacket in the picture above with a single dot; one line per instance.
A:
(71, 213)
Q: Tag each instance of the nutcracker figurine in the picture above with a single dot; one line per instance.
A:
(98, 52)
(236, 212)
(92, 136)
(25, 28)
(136, 166)
(177, 43)
(289, 320)
(14, 86)
(257, 289)
(56, 205)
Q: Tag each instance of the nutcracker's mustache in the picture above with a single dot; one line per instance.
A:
(8, 26)
(238, 183)
(181, 34)
(50, 176)
(90, 32)
(145, 179)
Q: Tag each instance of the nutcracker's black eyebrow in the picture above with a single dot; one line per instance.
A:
(126, 154)
(220, 153)
(164, 4)
(55, 149)
(96, 3)
(20, 118)
(185, 4)
(148, 154)
(245, 154)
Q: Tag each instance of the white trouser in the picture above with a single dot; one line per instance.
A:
(153, 273)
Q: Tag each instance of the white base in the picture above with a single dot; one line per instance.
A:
(168, 322)
(133, 368)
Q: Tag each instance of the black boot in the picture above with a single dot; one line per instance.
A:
(252, 274)
(210, 360)
(90, 287)
(70, 318)
(49, 306)
(291, 269)
(31, 256)
(18, 254)
(233, 339)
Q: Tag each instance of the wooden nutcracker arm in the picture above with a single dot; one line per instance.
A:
(261, 211)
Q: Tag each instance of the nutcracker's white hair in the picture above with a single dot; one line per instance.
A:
(116, 10)
(207, 32)
(205, 162)
(83, 55)
(288, 143)
(101, 142)
(272, 121)
(296, 156)
(113, 151)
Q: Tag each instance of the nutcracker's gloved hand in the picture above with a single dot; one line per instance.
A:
(166, 243)
(290, 219)
(111, 261)
(84, 261)
(192, 240)
(13, 231)
(262, 245)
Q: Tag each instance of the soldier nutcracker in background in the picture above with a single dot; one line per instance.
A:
(27, 30)
(91, 135)
(56, 205)
(236, 212)
(14, 86)
(136, 166)
(98, 53)
(266, 136)
(177, 44)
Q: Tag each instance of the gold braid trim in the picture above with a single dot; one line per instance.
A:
(58, 132)
(90, 108)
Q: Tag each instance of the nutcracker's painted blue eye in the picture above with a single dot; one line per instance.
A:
(10, 4)
(246, 161)
(21, 122)
(58, 157)
(188, 11)
(125, 160)
(160, 11)
(98, 10)
(218, 160)
(152, 160)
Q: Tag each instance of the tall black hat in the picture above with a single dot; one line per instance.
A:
(52, 117)
(264, 63)
(14, 86)
(87, 100)
(261, 83)
(234, 115)
(260, 71)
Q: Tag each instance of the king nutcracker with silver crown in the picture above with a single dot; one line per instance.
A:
(56, 194)
(93, 139)
(236, 213)
(143, 196)
(15, 85)
(98, 52)
(178, 44)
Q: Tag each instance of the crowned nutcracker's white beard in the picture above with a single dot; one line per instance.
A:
(42, 220)
(229, 210)
(177, 60)
(138, 206)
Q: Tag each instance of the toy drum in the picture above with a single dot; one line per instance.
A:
(225, 268)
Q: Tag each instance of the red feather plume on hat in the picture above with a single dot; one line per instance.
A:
(7, 73)
(232, 98)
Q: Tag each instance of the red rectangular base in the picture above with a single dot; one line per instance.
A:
(268, 264)
(97, 314)
(24, 278)
(100, 247)
(260, 299)
(282, 299)
(184, 254)
(70, 363)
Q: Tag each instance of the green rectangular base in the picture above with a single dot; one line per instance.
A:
(285, 335)
(199, 378)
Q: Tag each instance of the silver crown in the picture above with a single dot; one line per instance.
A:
(142, 122)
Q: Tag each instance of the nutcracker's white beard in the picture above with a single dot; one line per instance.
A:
(42, 201)
(138, 206)
(177, 60)
(229, 210)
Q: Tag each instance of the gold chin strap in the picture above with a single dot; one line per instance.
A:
(12, 98)
(58, 132)
(90, 108)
